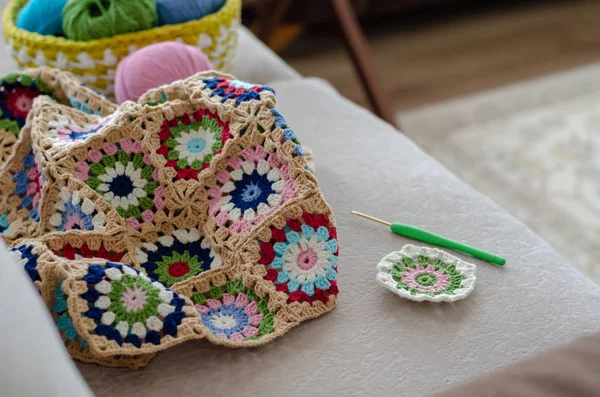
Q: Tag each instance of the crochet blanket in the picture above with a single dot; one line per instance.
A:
(191, 214)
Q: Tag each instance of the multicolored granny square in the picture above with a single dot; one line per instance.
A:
(191, 214)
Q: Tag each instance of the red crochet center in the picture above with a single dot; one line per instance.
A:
(20, 100)
(278, 235)
(188, 173)
(179, 269)
(69, 252)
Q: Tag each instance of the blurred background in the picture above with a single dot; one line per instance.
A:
(506, 94)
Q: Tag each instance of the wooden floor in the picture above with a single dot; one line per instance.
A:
(430, 61)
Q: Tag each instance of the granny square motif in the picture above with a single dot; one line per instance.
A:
(191, 214)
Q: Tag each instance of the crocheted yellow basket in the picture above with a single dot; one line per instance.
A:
(95, 61)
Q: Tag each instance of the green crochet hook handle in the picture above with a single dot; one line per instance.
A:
(434, 239)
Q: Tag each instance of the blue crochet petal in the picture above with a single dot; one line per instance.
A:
(278, 263)
(281, 248)
(171, 322)
(110, 333)
(153, 337)
(322, 282)
(308, 287)
(322, 234)
(134, 340)
(293, 285)
(331, 246)
(293, 238)
(289, 134)
(330, 274)
(308, 231)
(333, 260)
(65, 324)
(283, 277)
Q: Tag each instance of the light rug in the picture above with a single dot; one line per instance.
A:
(533, 147)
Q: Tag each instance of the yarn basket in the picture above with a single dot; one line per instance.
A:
(95, 61)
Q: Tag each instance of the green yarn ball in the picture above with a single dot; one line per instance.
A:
(85, 20)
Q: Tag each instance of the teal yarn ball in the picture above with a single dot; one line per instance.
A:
(171, 12)
(85, 20)
(42, 16)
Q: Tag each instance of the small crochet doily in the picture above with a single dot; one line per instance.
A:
(426, 274)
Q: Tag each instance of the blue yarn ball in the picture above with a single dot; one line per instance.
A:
(42, 16)
(178, 11)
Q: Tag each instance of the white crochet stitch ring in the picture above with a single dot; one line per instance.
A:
(426, 274)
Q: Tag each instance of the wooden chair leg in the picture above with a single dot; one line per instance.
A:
(362, 59)
(271, 18)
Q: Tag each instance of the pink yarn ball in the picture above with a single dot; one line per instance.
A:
(156, 65)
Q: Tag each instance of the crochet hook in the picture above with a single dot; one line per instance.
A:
(434, 239)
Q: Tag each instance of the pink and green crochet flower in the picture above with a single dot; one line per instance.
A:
(426, 276)
(190, 143)
(125, 178)
(128, 307)
(249, 189)
(235, 313)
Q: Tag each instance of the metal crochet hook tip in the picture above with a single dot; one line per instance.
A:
(371, 218)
